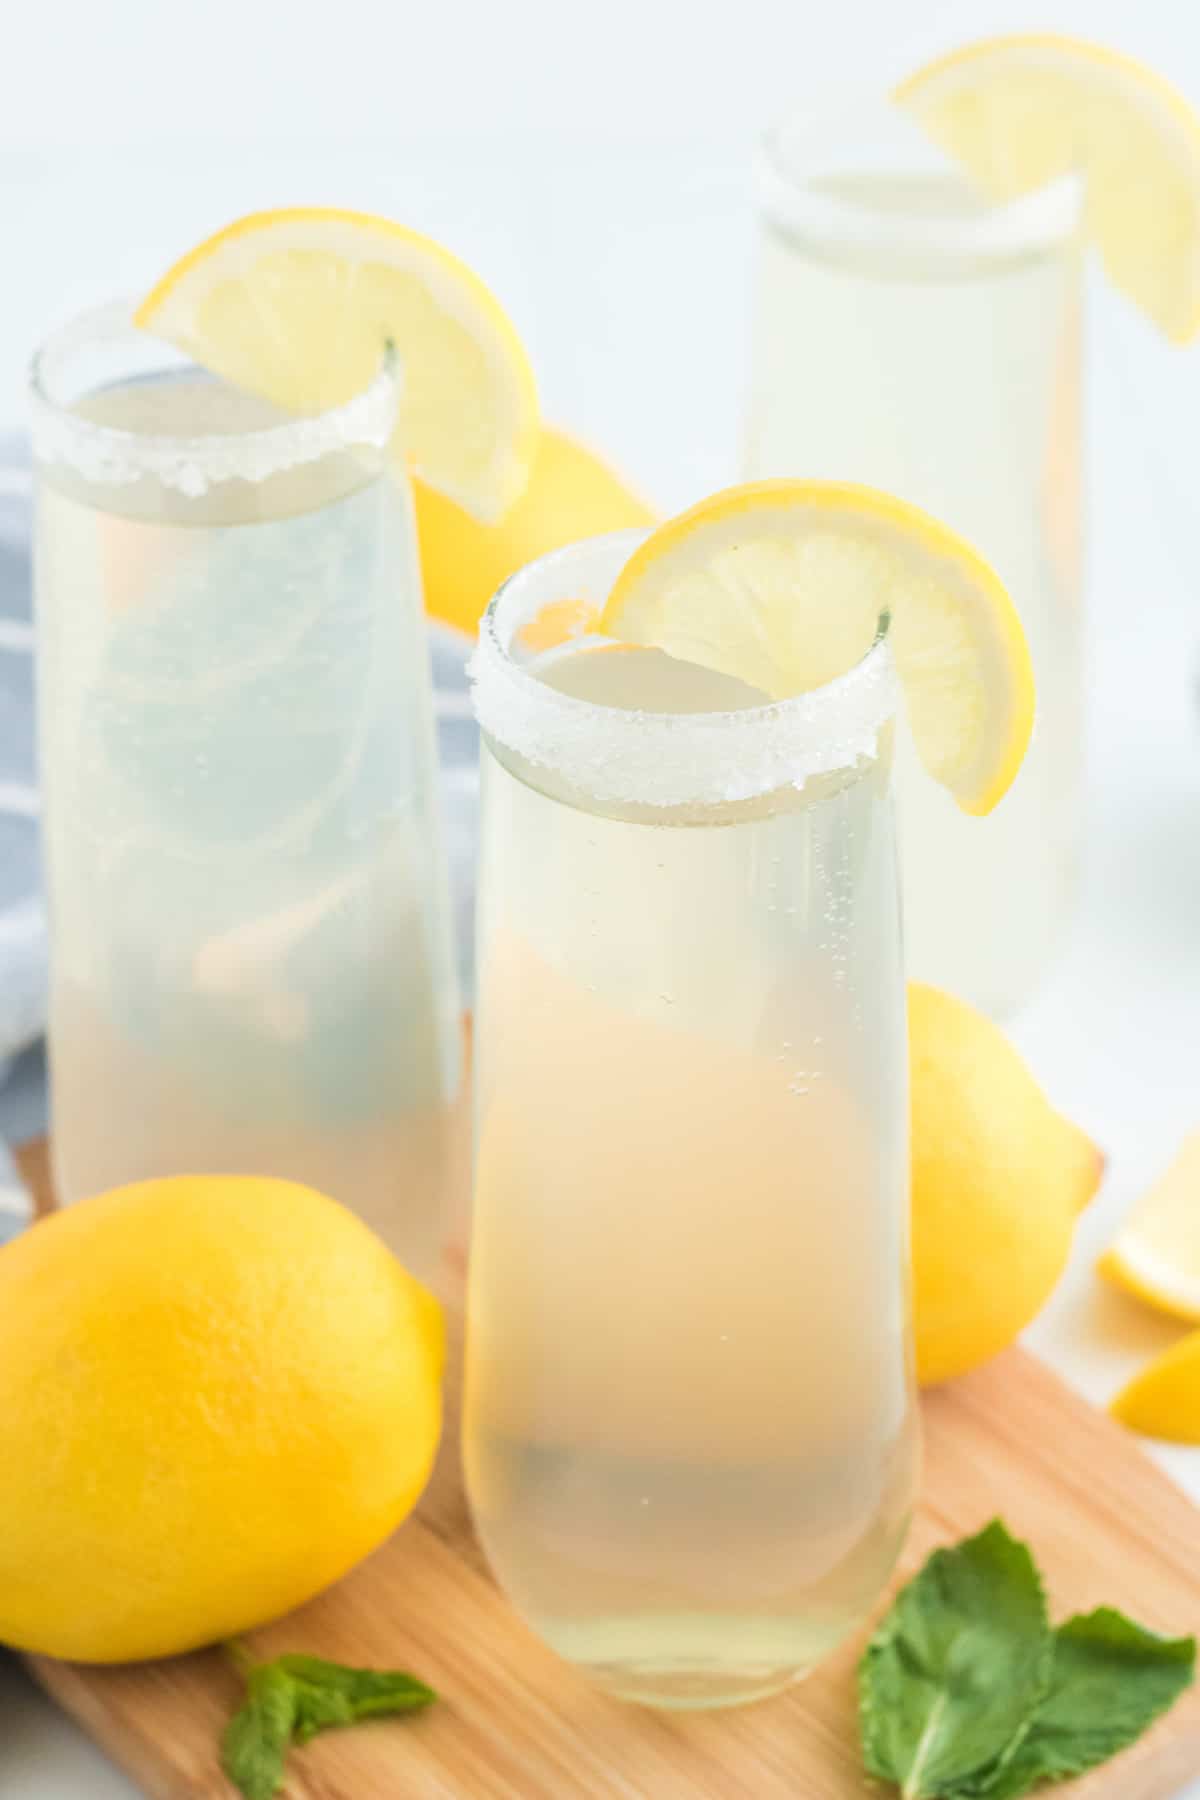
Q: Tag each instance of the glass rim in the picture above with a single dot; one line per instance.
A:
(113, 454)
(633, 757)
(789, 190)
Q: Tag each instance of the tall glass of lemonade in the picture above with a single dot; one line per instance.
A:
(251, 965)
(689, 1429)
(913, 335)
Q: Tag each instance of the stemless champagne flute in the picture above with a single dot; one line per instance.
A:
(689, 1431)
(912, 336)
(251, 971)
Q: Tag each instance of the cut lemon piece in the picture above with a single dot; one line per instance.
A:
(1163, 1399)
(1156, 1253)
(299, 306)
(782, 584)
(1017, 112)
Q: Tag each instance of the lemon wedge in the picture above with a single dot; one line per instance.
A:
(1018, 112)
(299, 306)
(1163, 1399)
(782, 584)
(1156, 1253)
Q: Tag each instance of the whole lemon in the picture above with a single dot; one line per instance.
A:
(571, 494)
(999, 1179)
(216, 1395)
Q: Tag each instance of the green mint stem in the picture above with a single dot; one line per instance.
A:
(239, 1656)
(913, 1788)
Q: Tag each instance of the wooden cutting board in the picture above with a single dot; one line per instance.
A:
(515, 1724)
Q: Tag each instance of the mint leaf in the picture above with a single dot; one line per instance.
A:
(255, 1742)
(330, 1694)
(1109, 1680)
(951, 1679)
(290, 1700)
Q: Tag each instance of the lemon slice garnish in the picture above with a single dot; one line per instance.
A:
(1018, 112)
(299, 306)
(782, 584)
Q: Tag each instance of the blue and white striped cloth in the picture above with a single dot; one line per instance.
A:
(23, 937)
(22, 920)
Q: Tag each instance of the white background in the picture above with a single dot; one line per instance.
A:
(593, 163)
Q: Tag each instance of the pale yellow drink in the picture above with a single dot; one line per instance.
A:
(689, 1430)
(911, 337)
(251, 967)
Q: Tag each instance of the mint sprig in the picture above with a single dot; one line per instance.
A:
(256, 1741)
(957, 1667)
(965, 1692)
(290, 1700)
(1110, 1679)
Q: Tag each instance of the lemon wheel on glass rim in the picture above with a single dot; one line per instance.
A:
(299, 306)
(782, 584)
(1017, 112)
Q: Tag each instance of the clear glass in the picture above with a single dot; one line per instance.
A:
(689, 1429)
(910, 336)
(250, 965)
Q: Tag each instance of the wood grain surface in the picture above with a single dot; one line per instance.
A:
(515, 1724)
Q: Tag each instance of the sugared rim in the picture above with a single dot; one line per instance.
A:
(112, 455)
(613, 757)
(801, 151)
